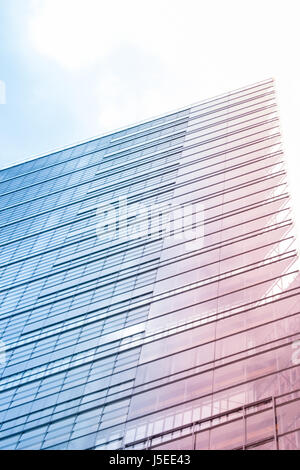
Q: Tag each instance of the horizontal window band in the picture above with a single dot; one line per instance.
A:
(159, 155)
(173, 330)
(198, 179)
(214, 363)
(248, 158)
(212, 317)
(203, 251)
(131, 346)
(126, 247)
(228, 120)
(201, 178)
(155, 337)
(218, 418)
(223, 215)
(98, 252)
(89, 208)
(227, 106)
(126, 308)
(171, 167)
(252, 306)
(253, 355)
(107, 282)
(250, 380)
(163, 186)
(93, 196)
(51, 250)
(120, 167)
(168, 168)
(150, 130)
(173, 135)
(163, 263)
(253, 380)
(207, 208)
(284, 194)
(272, 343)
(290, 255)
(144, 160)
(215, 317)
(264, 88)
(107, 145)
(140, 243)
(264, 103)
(161, 141)
(93, 227)
(133, 271)
(94, 206)
(98, 349)
(222, 136)
(233, 95)
(255, 120)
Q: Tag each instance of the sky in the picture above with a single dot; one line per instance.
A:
(74, 69)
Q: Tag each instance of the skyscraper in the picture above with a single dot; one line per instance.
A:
(150, 287)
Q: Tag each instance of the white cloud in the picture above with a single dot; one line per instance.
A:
(75, 33)
(78, 33)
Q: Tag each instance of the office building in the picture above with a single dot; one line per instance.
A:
(141, 339)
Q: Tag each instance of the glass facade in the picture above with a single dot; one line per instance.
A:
(139, 343)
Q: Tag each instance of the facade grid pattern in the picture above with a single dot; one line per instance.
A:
(139, 343)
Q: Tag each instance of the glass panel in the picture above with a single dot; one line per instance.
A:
(228, 436)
